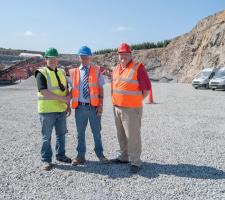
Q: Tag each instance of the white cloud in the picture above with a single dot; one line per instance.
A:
(122, 29)
(28, 33)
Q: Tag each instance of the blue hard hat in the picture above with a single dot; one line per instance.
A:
(84, 51)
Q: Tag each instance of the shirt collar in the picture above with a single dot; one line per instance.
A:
(130, 63)
(52, 69)
(82, 67)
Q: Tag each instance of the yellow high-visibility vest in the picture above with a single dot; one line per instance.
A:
(46, 105)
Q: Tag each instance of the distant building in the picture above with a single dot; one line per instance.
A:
(30, 55)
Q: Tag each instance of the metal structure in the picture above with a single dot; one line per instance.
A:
(21, 70)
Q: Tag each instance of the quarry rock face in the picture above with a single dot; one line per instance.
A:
(186, 55)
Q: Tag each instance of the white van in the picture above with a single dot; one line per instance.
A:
(203, 78)
(218, 81)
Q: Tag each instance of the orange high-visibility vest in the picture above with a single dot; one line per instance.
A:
(125, 89)
(93, 86)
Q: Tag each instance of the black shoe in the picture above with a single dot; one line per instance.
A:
(134, 169)
(46, 166)
(118, 161)
(64, 159)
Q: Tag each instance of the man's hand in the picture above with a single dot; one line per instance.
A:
(68, 111)
(50, 95)
(66, 99)
(99, 110)
(145, 93)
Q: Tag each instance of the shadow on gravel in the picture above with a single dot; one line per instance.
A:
(148, 170)
(94, 167)
(152, 170)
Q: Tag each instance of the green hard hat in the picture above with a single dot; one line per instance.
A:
(51, 53)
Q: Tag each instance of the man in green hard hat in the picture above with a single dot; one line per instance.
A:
(53, 108)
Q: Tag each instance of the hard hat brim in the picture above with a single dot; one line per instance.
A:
(124, 51)
(83, 54)
(51, 56)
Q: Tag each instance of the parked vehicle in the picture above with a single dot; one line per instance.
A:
(203, 78)
(218, 81)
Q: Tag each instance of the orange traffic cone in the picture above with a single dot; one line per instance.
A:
(150, 97)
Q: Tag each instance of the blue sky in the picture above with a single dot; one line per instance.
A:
(68, 24)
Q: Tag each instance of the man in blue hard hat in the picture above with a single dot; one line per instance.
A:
(87, 100)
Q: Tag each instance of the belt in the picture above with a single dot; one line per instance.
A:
(84, 104)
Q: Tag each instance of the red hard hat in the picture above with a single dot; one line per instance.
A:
(124, 48)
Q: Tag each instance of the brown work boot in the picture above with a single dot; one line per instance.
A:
(78, 160)
(46, 166)
(103, 159)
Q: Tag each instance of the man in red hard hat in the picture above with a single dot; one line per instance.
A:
(130, 85)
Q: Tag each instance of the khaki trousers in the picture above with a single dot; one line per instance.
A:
(128, 125)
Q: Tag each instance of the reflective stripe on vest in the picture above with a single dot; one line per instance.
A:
(127, 92)
(125, 87)
(92, 82)
(48, 105)
(126, 80)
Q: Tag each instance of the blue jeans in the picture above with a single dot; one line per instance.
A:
(82, 115)
(48, 121)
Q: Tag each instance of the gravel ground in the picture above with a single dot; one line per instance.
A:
(183, 150)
